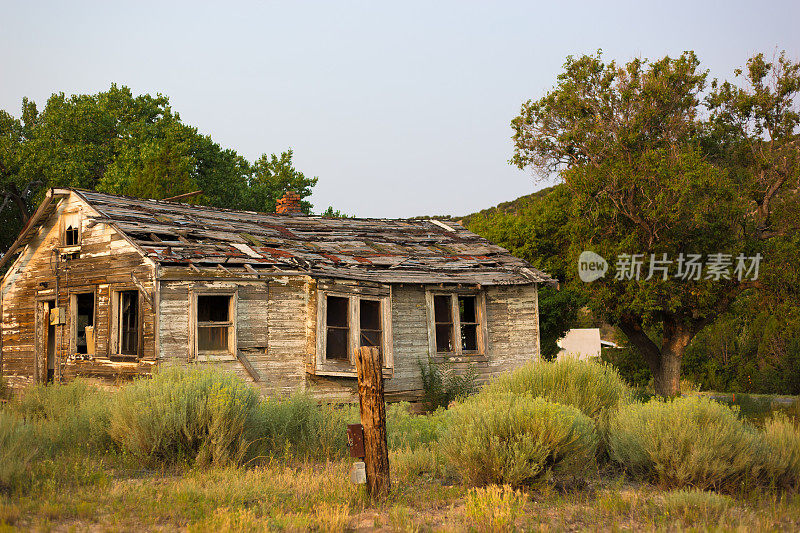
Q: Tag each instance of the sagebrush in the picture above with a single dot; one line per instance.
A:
(517, 439)
(688, 441)
(593, 388)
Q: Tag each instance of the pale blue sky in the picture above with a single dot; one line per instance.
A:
(400, 108)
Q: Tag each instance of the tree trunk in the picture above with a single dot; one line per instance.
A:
(664, 362)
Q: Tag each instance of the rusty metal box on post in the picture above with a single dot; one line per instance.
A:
(355, 440)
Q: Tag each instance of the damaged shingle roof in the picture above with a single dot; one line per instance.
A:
(380, 250)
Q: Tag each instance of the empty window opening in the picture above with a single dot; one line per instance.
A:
(213, 323)
(467, 312)
(370, 318)
(128, 322)
(443, 322)
(84, 317)
(71, 236)
(338, 328)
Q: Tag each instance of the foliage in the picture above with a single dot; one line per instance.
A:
(782, 451)
(5, 390)
(494, 508)
(517, 439)
(273, 175)
(687, 441)
(442, 383)
(18, 449)
(298, 426)
(595, 389)
(69, 416)
(753, 348)
(536, 228)
(180, 416)
(652, 168)
(408, 430)
(119, 143)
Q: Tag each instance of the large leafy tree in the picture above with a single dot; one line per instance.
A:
(116, 142)
(536, 228)
(657, 165)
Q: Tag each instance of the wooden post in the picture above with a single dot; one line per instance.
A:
(369, 365)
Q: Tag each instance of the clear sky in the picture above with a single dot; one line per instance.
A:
(400, 108)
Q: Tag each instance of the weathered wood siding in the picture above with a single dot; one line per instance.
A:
(513, 339)
(272, 330)
(107, 262)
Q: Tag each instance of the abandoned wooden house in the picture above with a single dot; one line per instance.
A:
(107, 287)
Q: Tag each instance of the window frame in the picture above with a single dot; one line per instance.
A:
(115, 339)
(74, 218)
(73, 321)
(482, 337)
(346, 367)
(195, 354)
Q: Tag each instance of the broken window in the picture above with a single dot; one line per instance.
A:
(457, 323)
(338, 328)
(214, 323)
(128, 322)
(443, 320)
(370, 322)
(342, 335)
(468, 317)
(72, 223)
(84, 318)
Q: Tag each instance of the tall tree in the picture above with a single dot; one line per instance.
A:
(116, 142)
(272, 176)
(536, 228)
(655, 169)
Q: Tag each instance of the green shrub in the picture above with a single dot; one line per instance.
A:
(70, 416)
(686, 441)
(5, 390)
(298, 426)
(593, 388)
(180, 416)
(406, 430)
(18, 449)
(782, 458)
(442, 384)
(517, 439)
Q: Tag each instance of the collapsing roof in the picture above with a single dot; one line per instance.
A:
(381, 250)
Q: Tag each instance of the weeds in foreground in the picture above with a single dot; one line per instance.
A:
(494, 508)
(692, 505)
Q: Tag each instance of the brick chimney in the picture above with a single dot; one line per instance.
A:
(289, 204)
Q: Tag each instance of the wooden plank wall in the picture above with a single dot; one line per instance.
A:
(513, 340)
(272, 331)
(106, 263)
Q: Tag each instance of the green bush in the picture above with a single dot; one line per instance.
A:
(517, 439)
(5, 390)
(591, 387)
(406, 430)
(689, 441)
(782, 445)
(298, 426)
(18, 449)
(70, 417)
(442, 384)
(180, 416)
